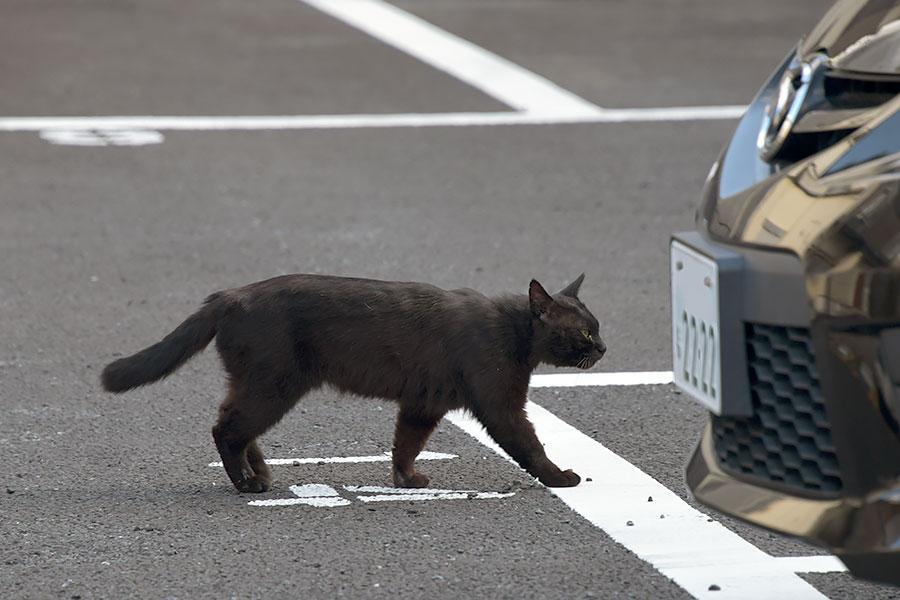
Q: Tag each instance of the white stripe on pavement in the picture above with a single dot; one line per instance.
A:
(600, 379)
(386, 457)
(303, 122)
(495, 76)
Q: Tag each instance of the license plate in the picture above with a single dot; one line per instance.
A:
(696, 336)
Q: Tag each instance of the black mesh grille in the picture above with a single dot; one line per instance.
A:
(788, 438)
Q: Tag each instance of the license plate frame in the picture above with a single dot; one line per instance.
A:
(708, 352)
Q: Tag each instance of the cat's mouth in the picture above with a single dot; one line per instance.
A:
(589, 360)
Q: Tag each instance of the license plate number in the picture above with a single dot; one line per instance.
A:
(696, 339)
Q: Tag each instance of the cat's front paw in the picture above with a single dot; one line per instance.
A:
(567, 478)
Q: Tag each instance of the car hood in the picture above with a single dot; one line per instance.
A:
(813, 167)
(858, 36)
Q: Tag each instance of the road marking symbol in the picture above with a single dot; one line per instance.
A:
(324, 496)
(101, 137)
(310, 494)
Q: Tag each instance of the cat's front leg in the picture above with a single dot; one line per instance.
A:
(515, 434)
(410, 435)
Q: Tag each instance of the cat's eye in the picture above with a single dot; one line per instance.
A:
(587, 334)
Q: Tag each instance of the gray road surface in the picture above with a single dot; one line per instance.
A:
(103, 249)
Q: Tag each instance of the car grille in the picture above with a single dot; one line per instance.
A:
(788, 438)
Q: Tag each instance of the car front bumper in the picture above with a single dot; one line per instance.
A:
(844, 525)
(864, 532)
(813, 450)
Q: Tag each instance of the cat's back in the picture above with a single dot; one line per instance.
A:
(328, 297)
(372, 337)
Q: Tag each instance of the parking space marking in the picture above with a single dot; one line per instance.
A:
(303, 122)
(696, 552)
(534, 99)
(497, 77)
(543, 380)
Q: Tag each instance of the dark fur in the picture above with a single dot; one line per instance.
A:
(428, 349)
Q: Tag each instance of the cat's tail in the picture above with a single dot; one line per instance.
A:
(165, 357)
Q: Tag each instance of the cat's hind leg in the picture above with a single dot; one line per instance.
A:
(244, 416)
(410, 435)
(236, 445)
(258, 462)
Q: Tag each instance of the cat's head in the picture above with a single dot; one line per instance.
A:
(566, 334)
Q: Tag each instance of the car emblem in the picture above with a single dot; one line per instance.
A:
(781, 113)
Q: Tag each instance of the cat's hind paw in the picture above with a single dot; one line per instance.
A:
(255, 485)
(416, 480)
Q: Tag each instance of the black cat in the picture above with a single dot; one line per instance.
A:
(428, 349)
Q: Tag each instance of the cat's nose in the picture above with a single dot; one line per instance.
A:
(601, 348)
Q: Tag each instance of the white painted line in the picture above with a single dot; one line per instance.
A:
(543, 380)
(302, 122)
(495, 76)
(389, 494)
(316, 502)
(386, 457)
(675, 113)
(679, 541)
(444, 496)
(326, 502)
(258, 123)
(313, 490)
(535, 100)
(101, 137)
(377, 489)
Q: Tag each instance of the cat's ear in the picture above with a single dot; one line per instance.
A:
(572, 289)
(539, 299)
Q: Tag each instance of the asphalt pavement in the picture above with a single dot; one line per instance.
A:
(109, 237)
